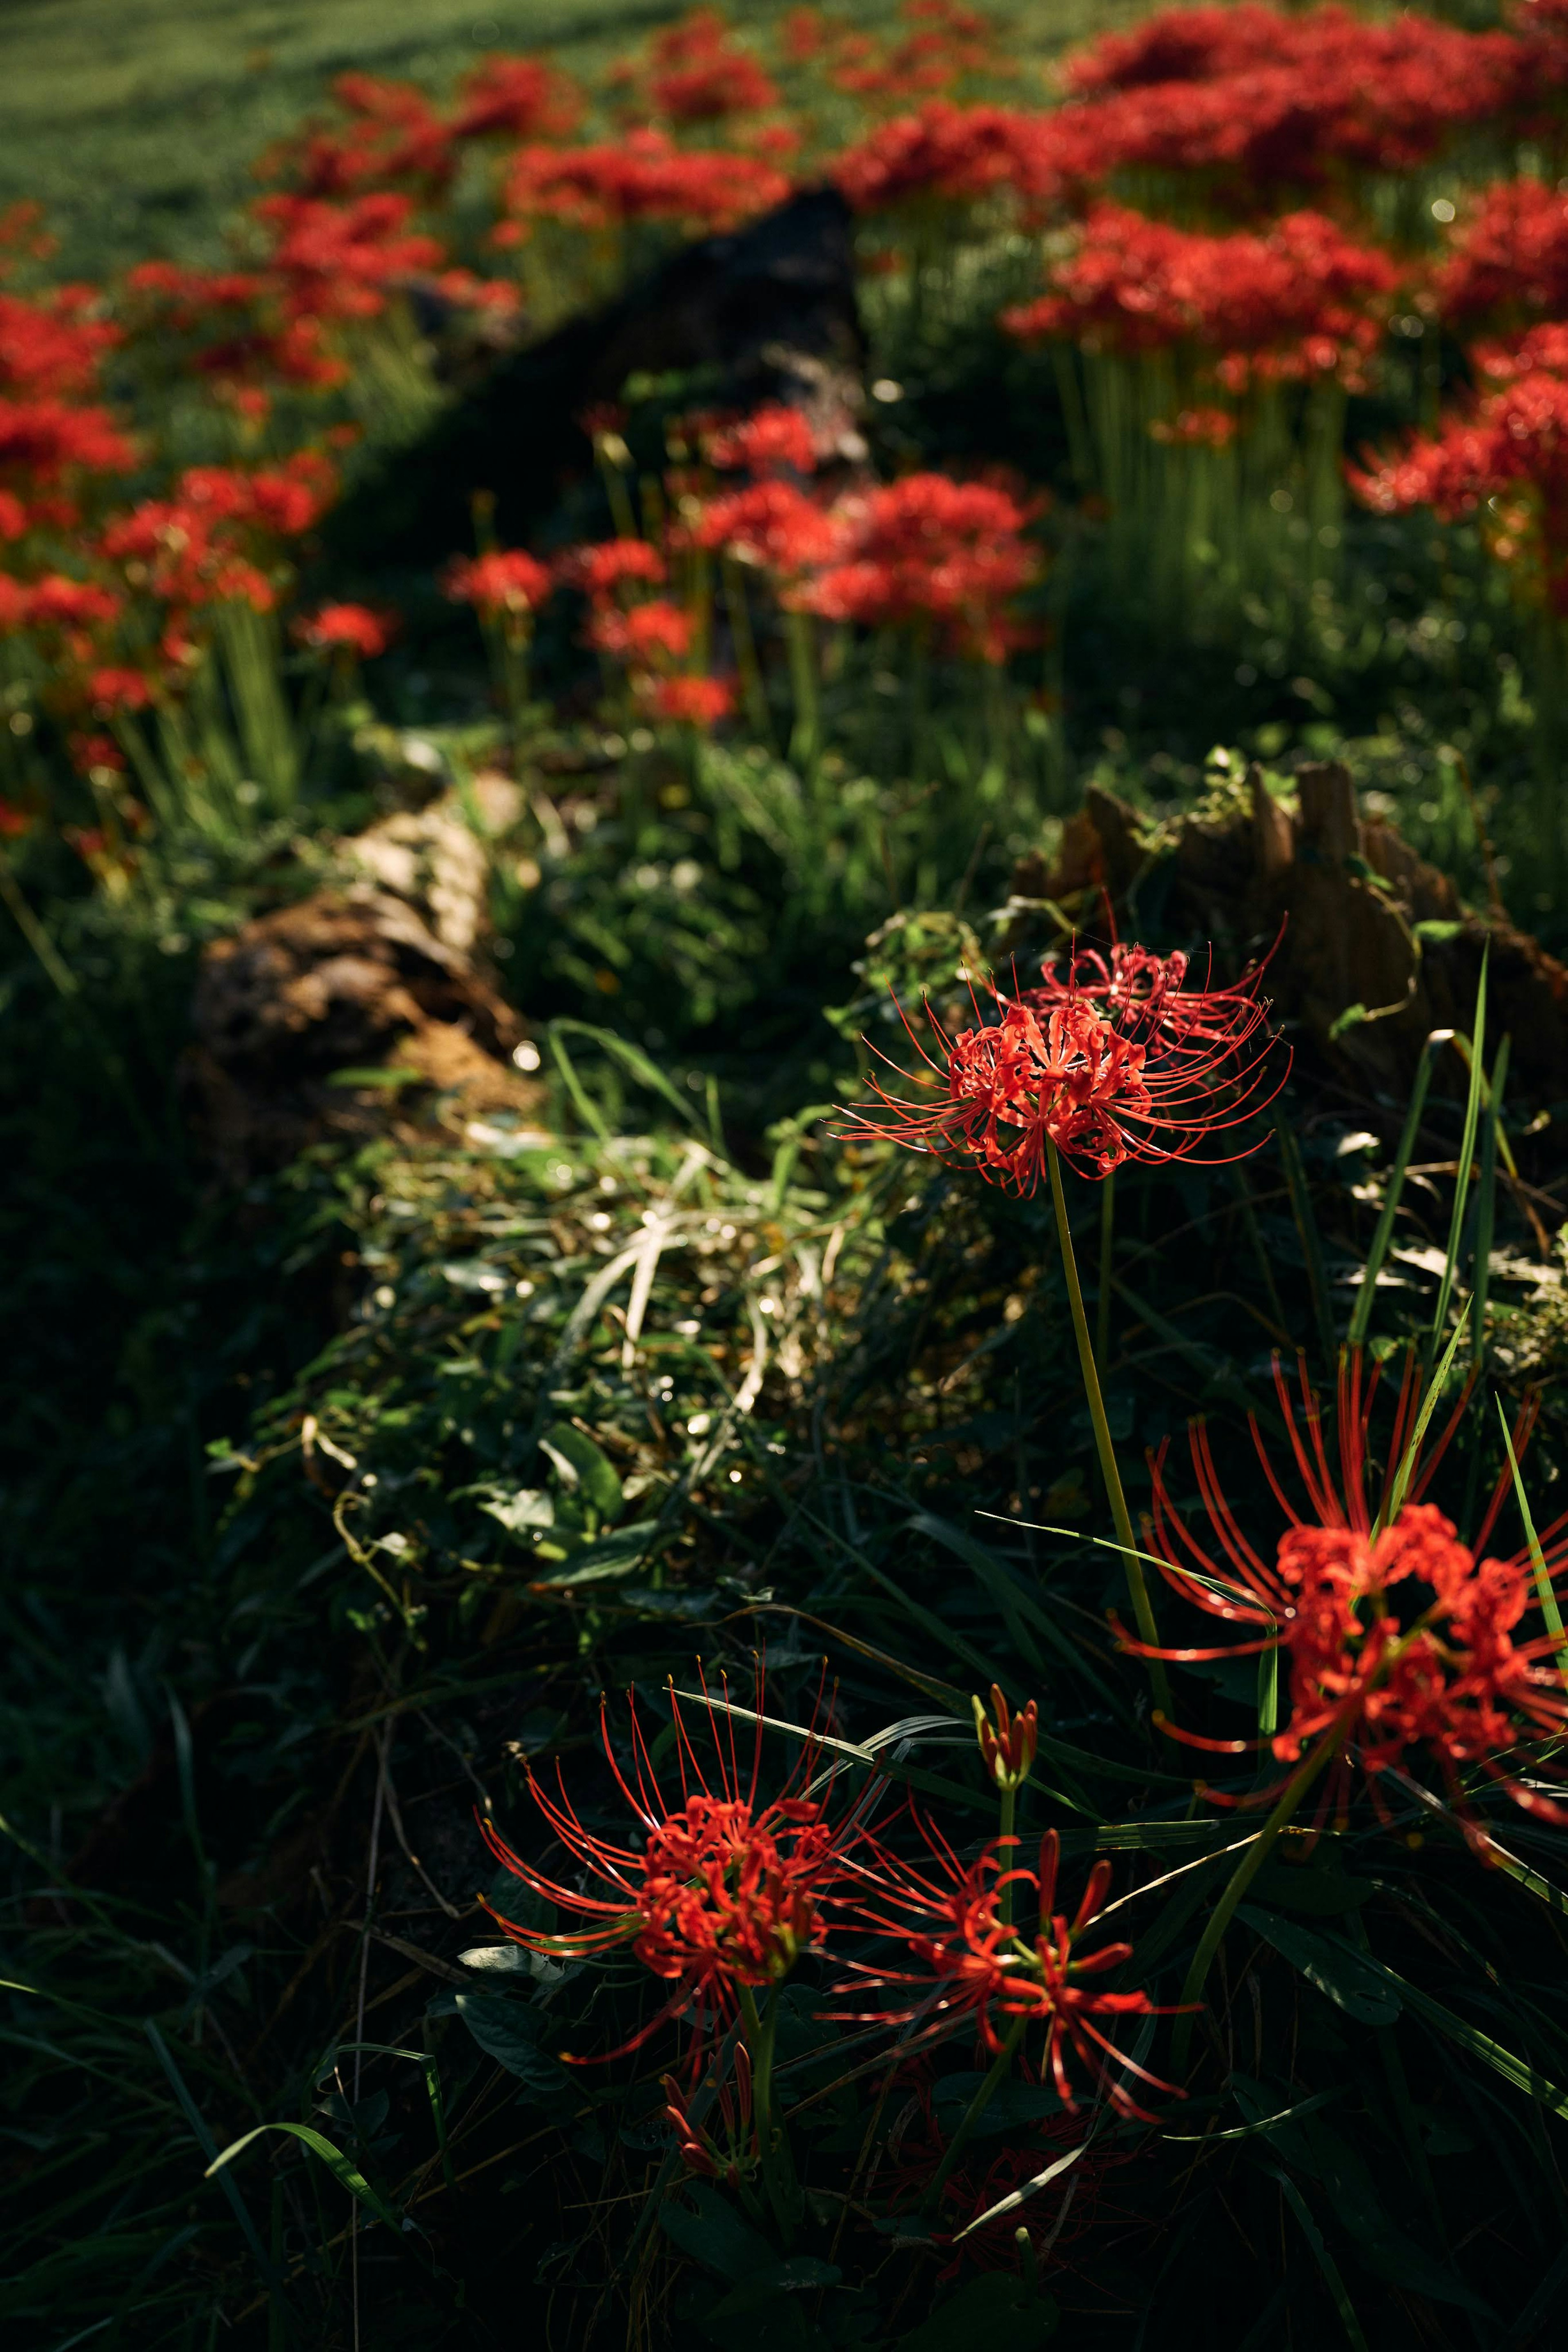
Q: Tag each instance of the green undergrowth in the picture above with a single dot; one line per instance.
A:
(602, 1408)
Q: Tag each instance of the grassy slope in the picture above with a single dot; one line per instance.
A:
(136, 125)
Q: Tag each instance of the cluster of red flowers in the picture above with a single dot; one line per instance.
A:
(51, 439)
(643, 177)
(351, 630)
(1112, 1058)
(722, 1893)
(1399, 1638)
(1507, 263)
(696, 74)
(1260, 101)
(1504, 460)
(942, 153)
(1300, 299)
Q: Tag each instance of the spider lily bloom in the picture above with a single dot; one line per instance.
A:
(1007, 1749)
(1396, 1638)
(722, 1890)
(349, 629)
(1101, 1075)
(973, 1964)
(504, 586)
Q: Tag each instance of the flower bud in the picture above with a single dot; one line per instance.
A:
(1008, 1748)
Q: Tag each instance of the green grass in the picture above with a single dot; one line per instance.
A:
(136, 127)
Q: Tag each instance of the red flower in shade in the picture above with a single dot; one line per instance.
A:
(698, 74)
(692, 701)
(647, 633)
(1105, 1065)
(346, 628)
(598, 571)
(517, 98)
(1505, 461)
(643, 176)
(1300, 299)
(13, 821)
(110, 690)
(721, 1891)
(773, 440)
(1509, 261)
(338, 261)
(773, 525)
(505, 583)
(929, 550)
(957, 155)
(975, 1965)
(1259, 99)
(1397, 1637)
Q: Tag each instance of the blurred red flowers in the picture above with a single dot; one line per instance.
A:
(347, 628)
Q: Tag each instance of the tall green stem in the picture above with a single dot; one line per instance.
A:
(778, 2168)
(1241, 1878)
(1107, 1244)
(1008, 1810)
(1137, 1588)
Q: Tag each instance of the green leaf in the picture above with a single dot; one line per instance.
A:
(1345, 1975)
(791, 2277)
(714, 2234)
(580, 1464)
(1436, 931)
(1326, 2264)
(994, 2308)
(617, 1555)
(510, 2034)
(526, 1507)
(336, 2162)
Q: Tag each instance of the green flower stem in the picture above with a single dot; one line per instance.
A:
(1241, 1878)
(778, 2168)
(1008, 1812)
(1138, 1590)
(973, 2111)
(1107, 1238)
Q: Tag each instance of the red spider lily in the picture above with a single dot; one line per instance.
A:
(1299, 301)
(1095, 1072)
(723, 1890)
(927, 550)
(112, 690)
(643, 176)
(773, 438)
(1397, 1637)
(52, 345)
(1195, 428)
(346, 628)
(697, 74)
(974, 1965)
(517, 98)
(774, 525)
(1145, 995)
(959, 155)
(611, 564)
(201, 546)
(647, 633)
(47, 440)
(1507, 264)
(692, 701)
(1506, 462)
(504, 584)
(13, 821)
(1261, 100)
(393, 134)
(338, 261)
(949, 42)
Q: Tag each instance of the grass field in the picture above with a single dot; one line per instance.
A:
(136, 127)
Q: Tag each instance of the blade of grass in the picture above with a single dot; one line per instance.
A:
(209, 2149)
(1326, 2261)
(1486, 1207)
(1545, 1590)
(1383, 1232)
(336, 2162)
(1465, 1162)
(1400, 1485)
